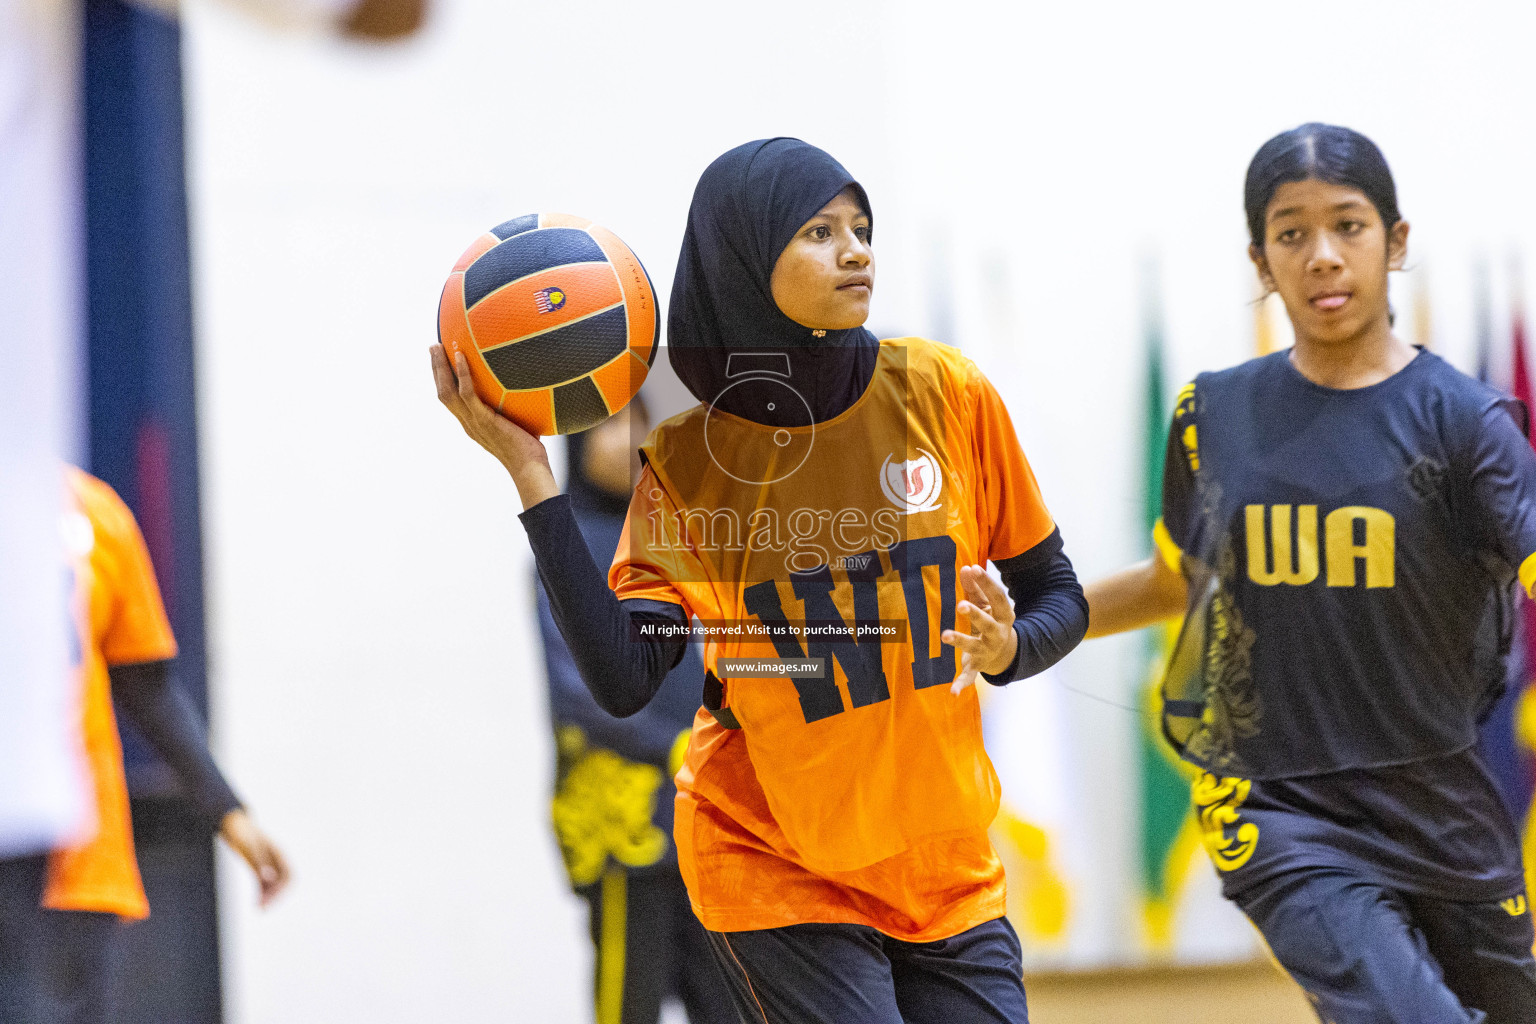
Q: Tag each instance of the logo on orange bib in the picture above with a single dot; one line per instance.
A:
(913, 485)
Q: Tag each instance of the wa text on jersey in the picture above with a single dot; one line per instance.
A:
(1356, 546)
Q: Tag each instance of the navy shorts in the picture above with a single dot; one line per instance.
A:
(647, 947)
(852, 974)
(1368, 954)
(80, 952)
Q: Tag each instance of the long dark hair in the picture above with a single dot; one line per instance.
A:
(1325, 152)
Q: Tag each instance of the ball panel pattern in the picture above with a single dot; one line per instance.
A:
(562, 220)
(453, 331)
(543, 301)
(556, 356)
(579, 405)
(557, 319)
(619, 379)
(535, 410)
(516, 226)
(639, 300)
(479, 247)
(526, 254)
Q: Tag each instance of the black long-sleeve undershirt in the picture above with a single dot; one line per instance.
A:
(166, 717)
(624, 671)
(1050, 611)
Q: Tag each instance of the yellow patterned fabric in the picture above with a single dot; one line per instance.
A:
(1228, 839)
(602, 809)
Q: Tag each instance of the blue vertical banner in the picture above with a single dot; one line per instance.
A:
(143, 441)
(142, 420)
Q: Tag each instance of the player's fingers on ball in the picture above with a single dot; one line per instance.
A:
(479, 418)
(442, 376)
(466, 382)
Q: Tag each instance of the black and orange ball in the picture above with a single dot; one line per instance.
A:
(557, 319)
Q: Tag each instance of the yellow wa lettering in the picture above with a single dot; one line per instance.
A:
(1298, 570)
(1514, 906)
(1379, 549)
(1275, 558)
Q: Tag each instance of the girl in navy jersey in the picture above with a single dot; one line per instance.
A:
(1344, 522)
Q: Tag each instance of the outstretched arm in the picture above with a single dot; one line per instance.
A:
(1136, 596)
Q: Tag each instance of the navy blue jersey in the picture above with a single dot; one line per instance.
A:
(1350, 556)
(1347, 551)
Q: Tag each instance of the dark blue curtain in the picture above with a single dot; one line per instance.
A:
(143, 441)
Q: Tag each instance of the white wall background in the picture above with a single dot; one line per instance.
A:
(377, 684)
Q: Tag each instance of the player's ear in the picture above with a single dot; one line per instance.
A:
(1397, 245)
(1261, 265)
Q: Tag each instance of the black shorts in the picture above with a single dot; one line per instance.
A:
(80, 950)
(852, 974)
(1368, 954)
(21, 890)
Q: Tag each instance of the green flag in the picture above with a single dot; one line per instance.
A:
(1169, 837)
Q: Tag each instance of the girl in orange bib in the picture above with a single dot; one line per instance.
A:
(824, 514)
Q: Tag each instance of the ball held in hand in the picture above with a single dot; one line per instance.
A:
(557, 319)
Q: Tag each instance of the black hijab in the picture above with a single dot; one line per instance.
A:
(746, 209)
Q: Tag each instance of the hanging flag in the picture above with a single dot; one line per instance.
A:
(1525, 657)
(1170, 839)
(1482, 301)
(1508, 759)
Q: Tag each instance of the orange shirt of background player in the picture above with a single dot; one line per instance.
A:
(121, 621)
(876, 814)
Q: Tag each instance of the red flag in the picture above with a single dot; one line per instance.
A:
(1525, 700)
(1520, 378)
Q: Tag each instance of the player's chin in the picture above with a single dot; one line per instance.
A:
(847, 311)
(1336, 331)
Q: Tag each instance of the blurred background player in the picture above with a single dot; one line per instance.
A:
(836, 849)
(132, 291)
(614, 791)
(125, 654)
(1342, 518)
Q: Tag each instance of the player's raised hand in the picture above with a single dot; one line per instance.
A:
(520, 452)
(992, 643)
